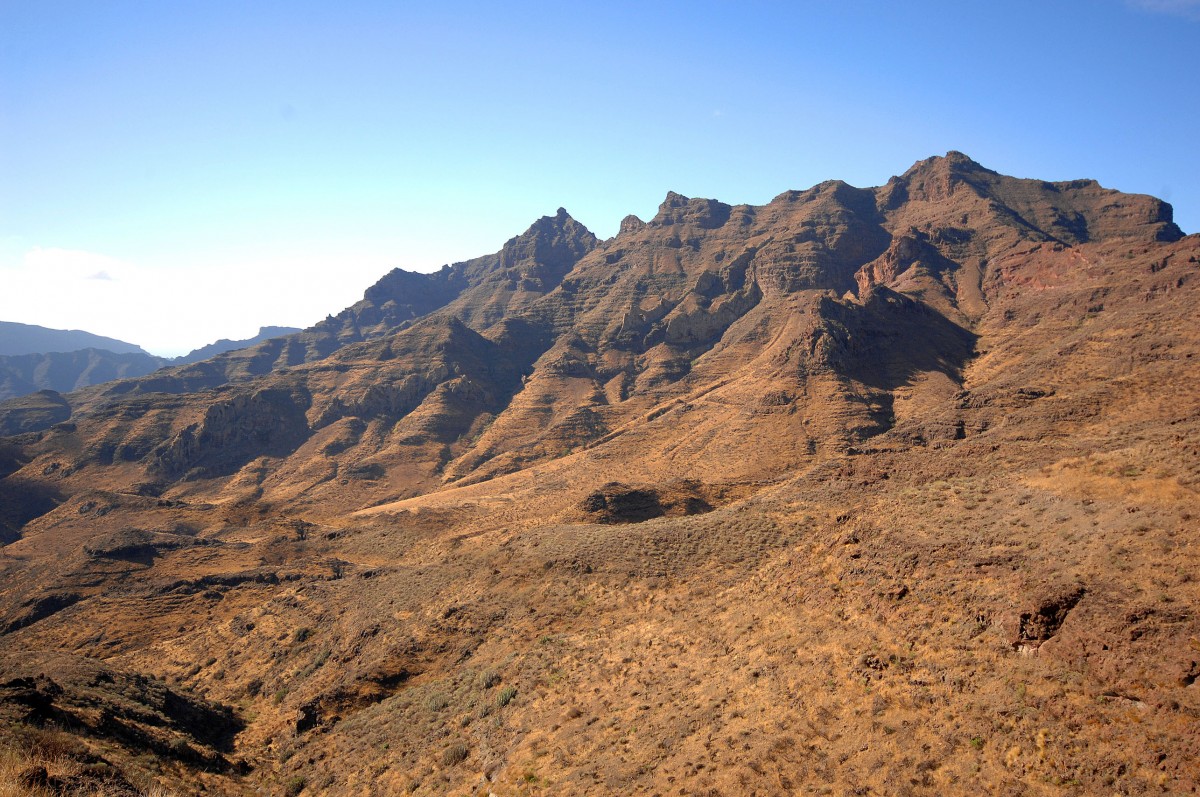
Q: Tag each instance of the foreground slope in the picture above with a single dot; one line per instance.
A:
(882, 490)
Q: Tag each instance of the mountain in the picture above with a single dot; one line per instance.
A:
(526, 268)
(17, 339)
(866, 490)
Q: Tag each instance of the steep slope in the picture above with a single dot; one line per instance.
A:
(883, 490)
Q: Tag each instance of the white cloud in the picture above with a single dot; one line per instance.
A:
(74, 289)
(71, 263)
(170, 309)
(1189, 9)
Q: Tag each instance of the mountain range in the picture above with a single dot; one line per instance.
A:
(883, 490)
(34, 358)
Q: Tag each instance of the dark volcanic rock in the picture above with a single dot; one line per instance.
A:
(268, 422)
(621, 503)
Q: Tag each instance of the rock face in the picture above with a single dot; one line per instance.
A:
(268, 422)
(853, 474)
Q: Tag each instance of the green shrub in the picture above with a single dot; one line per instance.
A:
(506, 696)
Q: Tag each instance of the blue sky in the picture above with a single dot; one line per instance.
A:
(171, 173)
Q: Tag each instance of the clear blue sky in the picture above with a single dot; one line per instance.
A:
(171, 172)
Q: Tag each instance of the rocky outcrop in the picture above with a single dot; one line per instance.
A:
(622, 503)
(267, 422)
(29, 413)
(120, 707)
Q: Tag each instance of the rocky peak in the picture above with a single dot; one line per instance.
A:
(632, 223)
(952, 162)
(839, 192)
(937, 178)
(677, 209)
(555, 242)
(956, 159)
(1070, 212)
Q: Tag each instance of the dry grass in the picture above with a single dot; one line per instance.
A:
(42, 769)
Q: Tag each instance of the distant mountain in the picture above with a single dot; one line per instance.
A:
(66, 371)
(224, 344)
(31, 339)
(25, 368)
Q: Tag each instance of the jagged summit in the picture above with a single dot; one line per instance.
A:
(952, 160)
(631, 223)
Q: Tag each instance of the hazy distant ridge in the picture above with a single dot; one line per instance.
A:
(72, 359)
(31, 339)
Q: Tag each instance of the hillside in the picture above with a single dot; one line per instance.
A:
(876, 491)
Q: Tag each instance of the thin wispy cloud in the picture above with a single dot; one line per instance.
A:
(73, 264)
(1187, 9)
